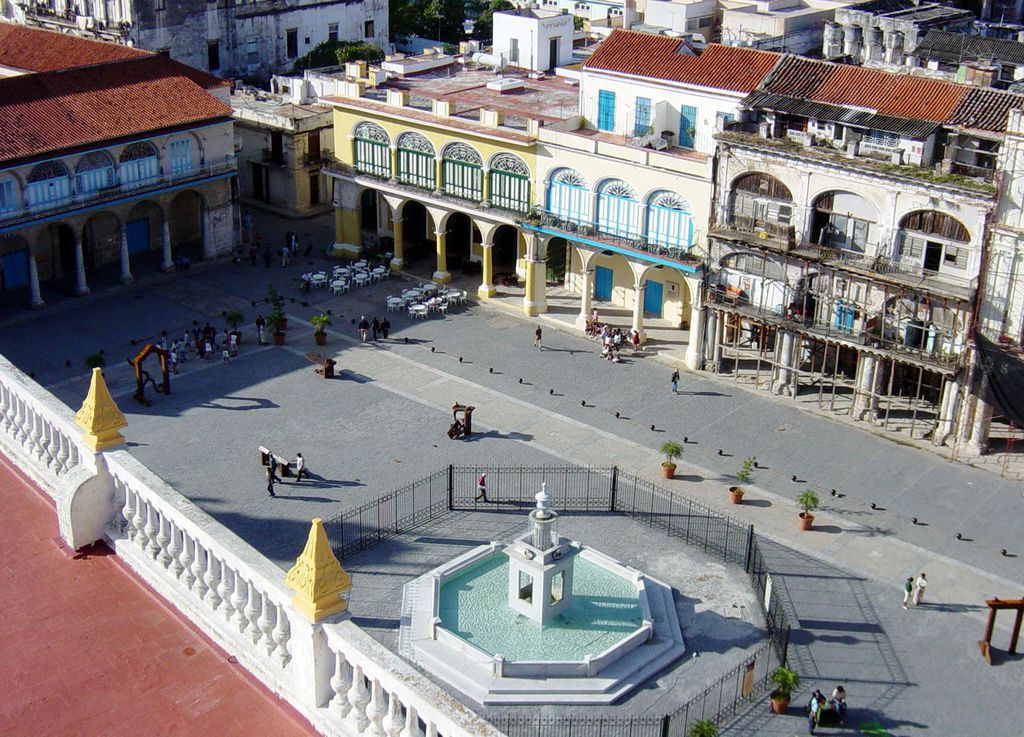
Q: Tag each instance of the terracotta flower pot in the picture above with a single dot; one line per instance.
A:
(321, 338)
(278, 338)
(806, 520)
(282, 324)
(735, 494)
(779, 705)
(668, 470)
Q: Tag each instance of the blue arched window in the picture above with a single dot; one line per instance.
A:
(619, 210)
(569, 196)
(669, 220)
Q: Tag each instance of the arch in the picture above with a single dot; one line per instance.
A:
(509, 182)
(143, 225)
(185, 215)
(416, 161)
(10, 192)
(934, 241)
(569, 196)
(93, 172)
(14, 269)
(509, 163)
(933, 222)
(101, 239)
(181, 154)
(462, 171)
(764, 185)
(139, 163)
(506, 250)
(760, 203)
(47, 183)
(371, 149)
(669, 220)
(844, 220)
(618, 209)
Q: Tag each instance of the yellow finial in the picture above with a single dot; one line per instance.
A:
(99, 416)
(317, 577)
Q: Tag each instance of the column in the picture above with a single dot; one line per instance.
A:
(398, 260)
(536, 300)
(712, 332)
(982, 422)
(783, 379)
(441, 276)
(347, 236)
(695, 348)
(394, 162)
(865, 386)
(168, 262)
(586, 297)
(948, 407)
(638, 307)
(486, 188)
(487, 288)
(438, 174)
(33, 281)
(81, 287)
(126, 267)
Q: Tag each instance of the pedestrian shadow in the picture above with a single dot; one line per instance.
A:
(570, 351)
(355, 376)
(496, 435)
(755, 503)
(303, 498)
(694, 477)
(827, 529)
(246, 404)
(702, 394)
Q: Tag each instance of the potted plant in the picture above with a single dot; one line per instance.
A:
(809, 502)
(671, 450)
(277, 317)
(234, 318)
(743, 475)
(320, 322)
(703, 728)
(278, 320)
(785, 680)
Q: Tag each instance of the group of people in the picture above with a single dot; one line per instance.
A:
(204, 343)
(375, 328)
(271, 472)
(612, 339)
(819, 704)
(913, 590)
(289, 250)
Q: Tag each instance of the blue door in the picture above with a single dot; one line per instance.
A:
(602, 284)
(15, 269)
(653, 296)
(687, 125)
(138, 235)
(605, 110)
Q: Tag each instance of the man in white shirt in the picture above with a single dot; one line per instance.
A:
(300, 467)
(919, 587)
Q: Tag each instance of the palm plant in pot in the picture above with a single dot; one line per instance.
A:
(320, 323)
(743, 475)
(234, 318)
(278, 320)
(703, 728)
(785, 680)
(672, 451)
(808, 501)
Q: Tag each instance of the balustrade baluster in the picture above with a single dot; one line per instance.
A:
(5, 407)
(252, 613)
(412, 722)
(341, 681)
(139, 520)
(226, 588)
(266, 624)
(282, 634)
(212, 578)
(152, 528)
(358, 698)
(431, 729)
(35, 433)
(74, 457)
(239, 600)
(174, 549)
(187, 559)
(393, 721)
(20, 418)
(128, 513)
(199, 562)
(46, 442)
(163, 539)
(376, 711)
(63, 453)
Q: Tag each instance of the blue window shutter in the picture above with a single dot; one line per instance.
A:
(605, 110)
(642, 121)
(687, 123)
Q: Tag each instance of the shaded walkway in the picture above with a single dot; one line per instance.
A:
(88, 650)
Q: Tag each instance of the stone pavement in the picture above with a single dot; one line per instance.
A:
(382, 424)
(88, 650)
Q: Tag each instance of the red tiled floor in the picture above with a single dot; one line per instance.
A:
(89, 650)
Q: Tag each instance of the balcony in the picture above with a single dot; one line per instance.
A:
(918, 342)
(901, 173)
(22, 215)
(780, 236)
(270, 156)
(544, 221)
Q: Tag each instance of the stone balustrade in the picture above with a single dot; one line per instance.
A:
(38, 431)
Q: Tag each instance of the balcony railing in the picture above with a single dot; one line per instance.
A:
(540, 218)
(780, 235)
(112, 194)
(923, 342)
(273, 157)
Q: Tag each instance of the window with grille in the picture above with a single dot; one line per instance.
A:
(94, 171)
(181, 156)
(642, 117)
(371, 150)
(618, 210)
(569, 196)
(7, 202)
(510, 183)
(462, 172)
(669, 221)
(139, 163)
(605, 110)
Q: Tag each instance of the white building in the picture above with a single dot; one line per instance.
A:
(780, 25)
(538, 40)
(245, 40)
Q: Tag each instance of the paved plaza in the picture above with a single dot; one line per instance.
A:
(382, 423)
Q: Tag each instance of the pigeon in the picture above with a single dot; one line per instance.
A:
(490, 370)
(873, 506)
(520, 381)
(652, 428)
(432, 349)
(460, 359)
(616, 415)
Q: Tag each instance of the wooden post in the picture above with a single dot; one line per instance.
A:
(1016, 631)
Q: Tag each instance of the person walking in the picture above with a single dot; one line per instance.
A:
(919, 587)
(233, 344)
(174, 358)
(271, 478)
(364, 326)
(839, 703)
(908, 590)
(675, 381)
(261, 325)
(385, 328)
(481, 488)
(300, 468)
(375, 328)
(538, 334)
(225, 355)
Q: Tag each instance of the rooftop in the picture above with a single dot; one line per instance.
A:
(957, 48)
(913, 11)
(35, 50)
(277, 110)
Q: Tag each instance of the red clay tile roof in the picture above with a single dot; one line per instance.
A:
(657, 57)
(985, 109)
(897, 95)
(36, 50)
(52, 111)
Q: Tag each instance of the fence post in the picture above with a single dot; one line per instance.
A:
(750, 549)
(665, 722)
(785, 647)
(615, 488)
(451, 487)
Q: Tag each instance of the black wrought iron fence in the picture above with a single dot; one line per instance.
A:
(572, 488)
(558, 726)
